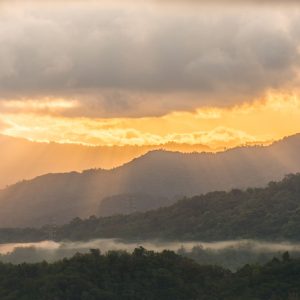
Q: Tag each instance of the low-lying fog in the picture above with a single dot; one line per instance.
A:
(230, 254)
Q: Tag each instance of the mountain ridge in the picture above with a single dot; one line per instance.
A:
(19, 156)
(60, 197)
(146, 155)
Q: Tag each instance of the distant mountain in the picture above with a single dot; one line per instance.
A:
(60, 197)
(130, 203)
(22, 159)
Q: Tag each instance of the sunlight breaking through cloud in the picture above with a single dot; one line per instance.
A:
(258, 122)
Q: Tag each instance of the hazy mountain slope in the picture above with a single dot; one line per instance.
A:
(268, 213)
(21, 159)
(130, 203)
(60, 197)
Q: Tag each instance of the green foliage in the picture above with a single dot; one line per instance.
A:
(147, 275)
(116, 275)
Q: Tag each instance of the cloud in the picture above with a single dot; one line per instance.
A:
(141, 59)
(215, 127)
(41, 106)
(112, 133)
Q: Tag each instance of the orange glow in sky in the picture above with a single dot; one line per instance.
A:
(274, 116)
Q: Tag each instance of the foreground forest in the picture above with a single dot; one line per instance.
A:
(147, 275)
(271, 213)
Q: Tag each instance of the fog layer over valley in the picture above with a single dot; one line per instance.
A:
(229, 254)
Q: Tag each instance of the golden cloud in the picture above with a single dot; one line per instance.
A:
(261, 121)
(39, 106)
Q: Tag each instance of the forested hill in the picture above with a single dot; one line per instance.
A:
(147, 275)
(61, 197)
(271, 213)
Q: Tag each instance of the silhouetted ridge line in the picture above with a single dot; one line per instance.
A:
(159, 174)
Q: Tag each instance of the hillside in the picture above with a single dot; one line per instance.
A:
(57, 198)
(271, 213)
(130, 203)
(147, 275)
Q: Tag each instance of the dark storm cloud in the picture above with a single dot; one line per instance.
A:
(113, 56)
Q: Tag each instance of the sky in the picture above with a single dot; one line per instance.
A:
(140, 73)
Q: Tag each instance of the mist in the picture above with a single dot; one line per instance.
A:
(229, 254)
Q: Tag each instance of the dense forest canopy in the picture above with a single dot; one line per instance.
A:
(147, 275)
